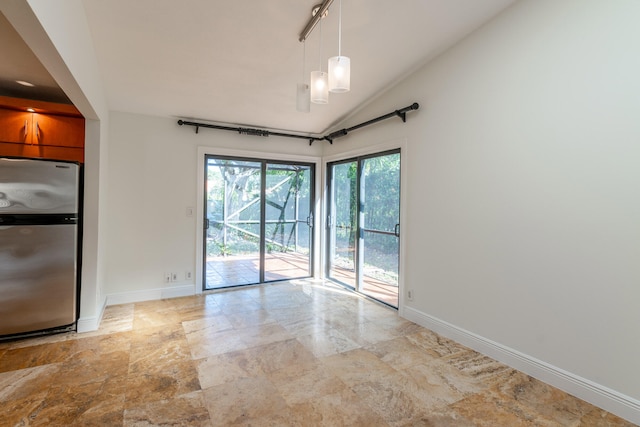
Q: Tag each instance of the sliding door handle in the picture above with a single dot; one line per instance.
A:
(396, 230)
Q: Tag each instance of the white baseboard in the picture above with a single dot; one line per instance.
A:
(88, 324)
(150, 294)
(596, 394)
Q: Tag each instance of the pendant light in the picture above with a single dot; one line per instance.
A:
(339, 66)
(319, 80)
(303, 95)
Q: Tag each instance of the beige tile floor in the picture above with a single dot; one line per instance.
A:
(287, 354)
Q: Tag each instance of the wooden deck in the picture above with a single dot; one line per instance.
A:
(377, 289)
(236, 270)
(233, 270)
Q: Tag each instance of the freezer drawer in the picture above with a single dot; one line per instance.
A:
(38, 285)
(38, 186)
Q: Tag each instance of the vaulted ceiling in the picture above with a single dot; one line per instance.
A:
(238, 62)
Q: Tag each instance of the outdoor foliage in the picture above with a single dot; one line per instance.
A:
(233, 207)
(379, 195)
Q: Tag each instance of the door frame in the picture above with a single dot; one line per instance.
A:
(202, 152)
(397, 144)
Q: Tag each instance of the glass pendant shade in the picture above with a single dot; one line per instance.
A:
(303, 96)
(319, 87)
(339, 74)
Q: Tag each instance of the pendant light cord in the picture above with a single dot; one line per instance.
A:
(320, 51)
(304, 56)
(339, 28)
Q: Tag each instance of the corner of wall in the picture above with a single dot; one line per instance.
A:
(92, 323)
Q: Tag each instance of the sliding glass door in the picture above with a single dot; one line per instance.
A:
(380, 226)
(342, 222)
(232, 222)
(258, 221)
(288, 221)
(364, 224)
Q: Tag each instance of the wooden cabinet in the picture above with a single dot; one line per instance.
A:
(58, 131)
(51, 131)
(42, 152)
(15, 126)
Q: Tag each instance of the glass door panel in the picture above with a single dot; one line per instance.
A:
(343, 226)
(288, 221)
(364, 225)
(232, 222)
(380, 201)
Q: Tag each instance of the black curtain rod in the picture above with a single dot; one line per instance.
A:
(402, 113)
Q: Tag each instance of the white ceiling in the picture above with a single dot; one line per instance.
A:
(238, 61)
(19, 63)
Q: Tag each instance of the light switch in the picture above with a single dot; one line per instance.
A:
(189, 211)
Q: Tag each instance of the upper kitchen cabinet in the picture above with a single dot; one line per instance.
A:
(58, 131)
(15, 126)
(41, 129)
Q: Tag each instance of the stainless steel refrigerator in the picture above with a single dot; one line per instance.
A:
(39, 241)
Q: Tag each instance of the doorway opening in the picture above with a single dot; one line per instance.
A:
(258, 221)
(363, 224)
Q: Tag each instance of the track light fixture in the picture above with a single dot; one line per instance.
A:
(338, 78)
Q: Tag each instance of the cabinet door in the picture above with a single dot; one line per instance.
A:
(58, 131)
(15, 126)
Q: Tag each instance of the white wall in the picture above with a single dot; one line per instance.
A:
(153, 168)
(524, 189)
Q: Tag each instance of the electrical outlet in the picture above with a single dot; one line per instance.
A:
(188, 275)
(410, 294)
(174, 277)
(167, 277)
